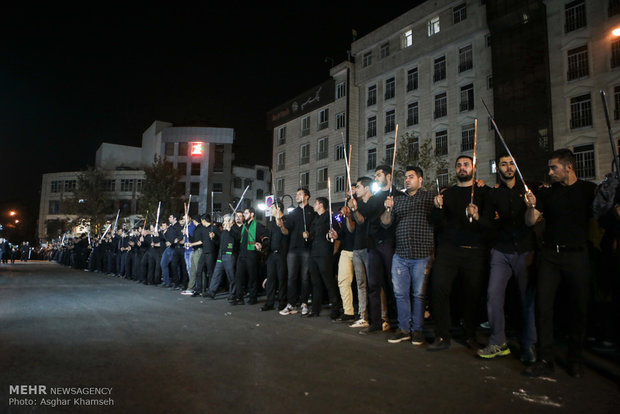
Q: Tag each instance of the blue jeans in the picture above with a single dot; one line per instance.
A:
(166, 259)
(408, 277)
(225, 266)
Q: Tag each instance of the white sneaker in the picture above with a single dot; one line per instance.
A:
(304, 309)
(288, 310)
(360, 323)
(187, 292)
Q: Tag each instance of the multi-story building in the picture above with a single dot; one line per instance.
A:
(257, 180)
(584, 56)
(203, 156)
(310, 134)
(426, 73)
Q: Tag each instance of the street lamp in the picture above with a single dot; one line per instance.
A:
(12, 213)
(616, 32)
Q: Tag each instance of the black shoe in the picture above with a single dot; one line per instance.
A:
(208, 295)
(575, 369)
(541, 368)
(252, 301)
(371, 330)
(347, 318)
(312, 315)
(334, 316)
(440, 344)
(265, 308)
(236, 302)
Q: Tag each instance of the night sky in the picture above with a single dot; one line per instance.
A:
(73, 78)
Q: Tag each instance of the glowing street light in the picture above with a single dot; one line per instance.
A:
(12, 213)
(616, 32)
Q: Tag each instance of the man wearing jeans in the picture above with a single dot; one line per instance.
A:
(413, 248)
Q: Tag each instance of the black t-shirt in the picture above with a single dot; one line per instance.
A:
(296, 225)
(567, 211)
(320, 247)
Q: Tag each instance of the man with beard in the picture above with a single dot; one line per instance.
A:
(276, 261)
(566, 208)
(461, 251)
(511, 255)
(252, 235)
(298, 222)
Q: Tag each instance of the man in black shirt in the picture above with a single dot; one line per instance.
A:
(276, 261)
(461, 251)
(252, 237)
(345, 234)
(566, 208)
(511, 255)
(321, 260)
(226, 259)
(298, 222)
(169, 260)
(209, 239)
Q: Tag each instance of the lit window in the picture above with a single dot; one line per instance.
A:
(433, 26)
(408, 38)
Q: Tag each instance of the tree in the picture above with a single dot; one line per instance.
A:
(413, 152)
(161, 185)
(90, 202)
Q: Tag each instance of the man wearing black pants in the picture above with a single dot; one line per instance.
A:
(321, 263)
(276, 261)
(566, 208)
(461, 250)
(252, 235)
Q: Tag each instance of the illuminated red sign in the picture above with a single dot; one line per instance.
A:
(197, 148)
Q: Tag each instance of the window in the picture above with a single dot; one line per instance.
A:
(304, 179)
(441, 142)
(390, 121)
(574, 15)
(414, 148)
(412, 79)
(260, 193)
(281, 161)
(487, 40)
(321, 178)
(441, 105)
(467, 98)
(577, 63)
(442, 177)
(339, 151)
(371, 164)
(237, 182)
(324, 118)
(281, 135)
(279, 187)
(615, 53)
(304, 154)
(182, 167)
(247, 183)
(260, 175)
(439, 69)
(584, 157)
(217, 187)
(466, 60)
(182, 150)
(459, 13)
(433, 26)
(614, 7)
(617, 103)
(389, 153)
(580, 111)
(194, 188)
(56, 186)
(109, 185)
(385, 50)
(218, 162)
(367, 59)
(195, 168)
(305, 125)
(372, 96)
(341, 90)
(489, 82)
(70, 185)
(169, 148)
(54, 207)
(340, 120)
(390, 88)
(408, 38)
(321, 148)
(372, 127)
(412, 114)
(467, 138)
(126, 185)
(139, 185)
(339, 184)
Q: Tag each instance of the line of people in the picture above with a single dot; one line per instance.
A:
(392, 260)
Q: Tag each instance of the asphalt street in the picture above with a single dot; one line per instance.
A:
(75, 338)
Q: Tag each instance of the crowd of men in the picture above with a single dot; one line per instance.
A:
(390, 261)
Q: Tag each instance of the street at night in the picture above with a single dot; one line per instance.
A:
(151, 350)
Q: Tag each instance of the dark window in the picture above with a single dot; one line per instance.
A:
(581, 111)
(371, 164)
(372, 127)
(617, 103)
(467, 138)
(218, 159)
(182, 149)
(466, 58)
(441, 142)
(575, 15)
(467, 98)
(182, 167)
(390, 88)
(372, 96)
(237, 182)
(195, 168)
(169, 148)
(390, 121)
(412, 114)
(439, 69)
(615, 53)
(217, 187)
(584, 157)
(260, 175)
(441, 105)
(459, 13)
(412, 79)
(577, 63)
(194, 189)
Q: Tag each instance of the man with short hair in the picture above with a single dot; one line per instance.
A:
(170, 259)
(461, 253)
(511, 255)
(298, 221)
(566, 208)
(414, 244)
(346, 273)
(252, 235)
(276, 261)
